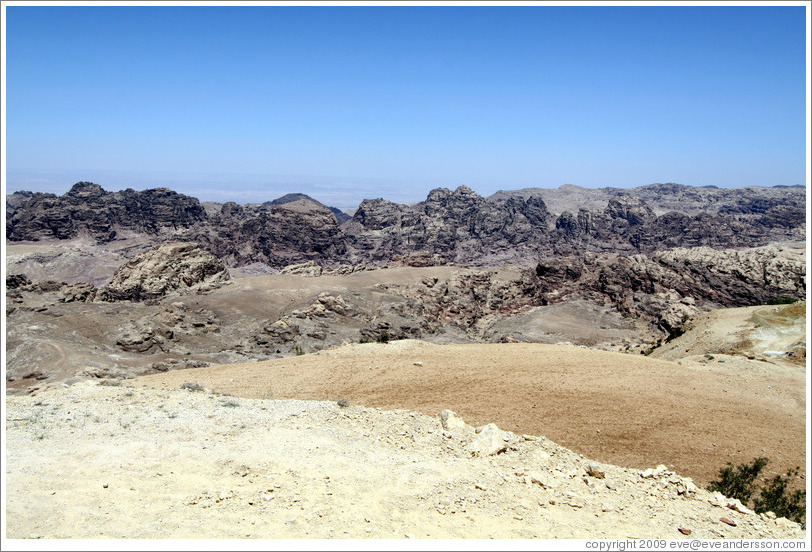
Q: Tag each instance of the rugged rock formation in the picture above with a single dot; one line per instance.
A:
(161, 331)
(341, 216)
(81, 292)
(456, 226)
(664, 198)
(171, 266)
(309, 269)
(277, 235)
(462, 227)
(608, 301)
(87, 208)
(665, 290)
(464, 305)
(629, 225)
(15, 281)
(15, 200)
(665, 286)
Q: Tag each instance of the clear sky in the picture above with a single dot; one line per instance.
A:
(247, 103)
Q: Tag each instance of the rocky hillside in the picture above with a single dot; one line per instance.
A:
(181, 306)
(458, 226)
(273, 234)
(81, 460)
(340, 215)
(167, 267)
(670, 287)
(664, 198)
(664, 291)
(450, 226)
(88, 209)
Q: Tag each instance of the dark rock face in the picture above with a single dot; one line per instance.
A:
(462, 227)
(277, 235)
(456, 226)
(752, 201)
(88, 208)
(162, 330)
(292, 229)
(629, 225)
(14, 200)
(646, 286)
(14, 281)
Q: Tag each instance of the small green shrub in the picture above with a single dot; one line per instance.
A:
(738, 483)
(782, 301)
(774, 496)
(383, 337)
(297, 350)
(192, 386)
(230, 404)
(343, 403)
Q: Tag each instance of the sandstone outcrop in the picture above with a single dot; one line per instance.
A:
(167, 267)
(449, 226)
(461, 227)
(161, 331)
(276, 235)
(80, 292)
(663, 198)
(309, 269)
(670, 287)
(89, 209)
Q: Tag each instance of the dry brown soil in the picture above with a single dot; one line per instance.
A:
(90, 461)
(621, 409)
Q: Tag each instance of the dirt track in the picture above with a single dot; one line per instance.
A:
(621, 409)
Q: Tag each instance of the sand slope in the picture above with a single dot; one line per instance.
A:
(622, 409)
(93, 461)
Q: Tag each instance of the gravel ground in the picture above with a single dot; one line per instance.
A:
(98, 461)
(621, 409)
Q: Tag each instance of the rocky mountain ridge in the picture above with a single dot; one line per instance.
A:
(663, 198)
(450, 226)
(88, 209)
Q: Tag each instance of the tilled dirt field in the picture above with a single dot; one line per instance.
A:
(94, 461)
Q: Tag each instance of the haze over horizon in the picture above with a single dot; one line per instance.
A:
(343, 103)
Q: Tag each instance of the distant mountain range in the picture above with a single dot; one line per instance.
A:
(449, 226)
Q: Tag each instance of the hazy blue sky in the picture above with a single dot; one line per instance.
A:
(343, 103)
